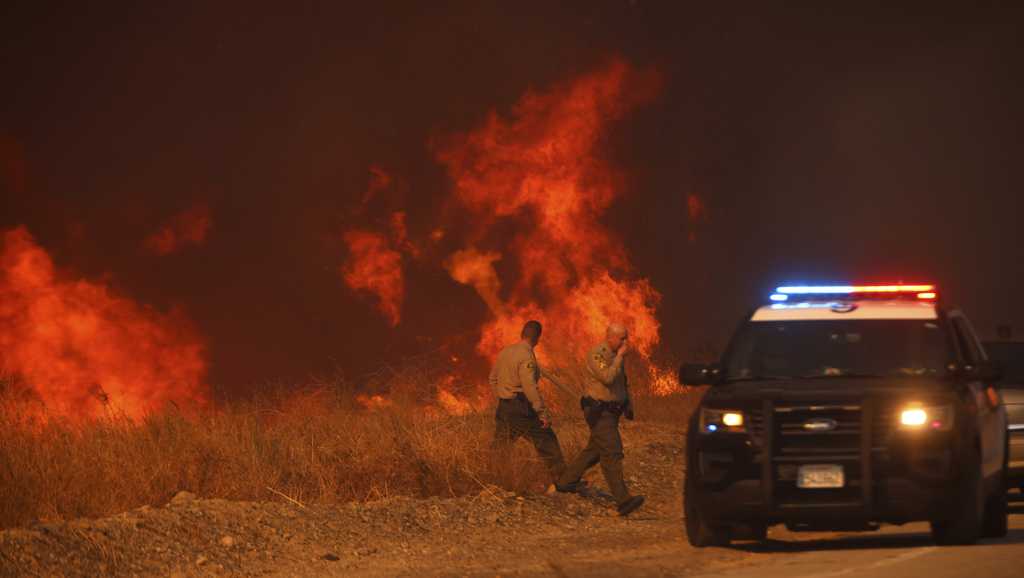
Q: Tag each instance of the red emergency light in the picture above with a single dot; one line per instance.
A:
(923, 291)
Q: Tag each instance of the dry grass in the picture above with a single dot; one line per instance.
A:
(310, 447)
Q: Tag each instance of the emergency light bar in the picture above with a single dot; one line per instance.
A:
(924, 292)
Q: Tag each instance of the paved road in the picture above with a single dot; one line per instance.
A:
(904, 552)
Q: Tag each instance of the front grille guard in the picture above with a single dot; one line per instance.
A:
(769, 442)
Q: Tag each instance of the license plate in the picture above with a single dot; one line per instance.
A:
(820, 477)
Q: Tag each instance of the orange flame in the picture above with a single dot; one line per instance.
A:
(189, 227)
(542, 169)
(373, 401)
(452, 404)
(81, 347)
(664, 382)
(471, 267)
(376, 268)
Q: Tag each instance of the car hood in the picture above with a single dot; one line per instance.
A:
(830, 390)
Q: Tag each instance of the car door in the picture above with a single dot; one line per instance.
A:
(991, 412)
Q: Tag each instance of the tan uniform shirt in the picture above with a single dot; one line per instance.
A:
(606, 375)
(516, 371)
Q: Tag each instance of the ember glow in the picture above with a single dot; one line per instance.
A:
(452, 402)
(372, 402)
(189, 227)
(374, 267)
(83, 349)
(542, 168)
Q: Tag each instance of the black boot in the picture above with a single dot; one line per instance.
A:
(580, 487)
(630, 504)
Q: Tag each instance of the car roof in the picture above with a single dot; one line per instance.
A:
(837, 310)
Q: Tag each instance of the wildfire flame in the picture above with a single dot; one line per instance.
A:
(542, 168)
(539, 173)
(85, 350)
(189, 227)
(452, 404)
(664, 382)
(375, 267)
(471, 267)
(372, 402)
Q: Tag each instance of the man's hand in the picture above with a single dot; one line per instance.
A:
(545, 420)
(623, 349)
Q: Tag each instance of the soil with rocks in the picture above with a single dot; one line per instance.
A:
(493, 533)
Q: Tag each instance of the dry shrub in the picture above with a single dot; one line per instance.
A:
(311, 446)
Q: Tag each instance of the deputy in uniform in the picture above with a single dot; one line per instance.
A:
(521, 410)
(606, 398)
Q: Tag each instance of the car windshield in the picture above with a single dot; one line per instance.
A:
(1010, 356)
(821, 349)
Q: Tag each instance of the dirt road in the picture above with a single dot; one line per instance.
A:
(652, 549)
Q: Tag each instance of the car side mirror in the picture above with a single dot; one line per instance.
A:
(990, 371)
(698, 374)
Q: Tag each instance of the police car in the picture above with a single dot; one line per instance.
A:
(842, 408)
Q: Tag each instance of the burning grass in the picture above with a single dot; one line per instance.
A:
(315, 446)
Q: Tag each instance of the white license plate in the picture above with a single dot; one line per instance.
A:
(820, 477)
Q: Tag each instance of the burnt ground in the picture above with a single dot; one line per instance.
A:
(492, 533)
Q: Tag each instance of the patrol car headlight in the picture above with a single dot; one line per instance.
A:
(716, 420)
(920, 417)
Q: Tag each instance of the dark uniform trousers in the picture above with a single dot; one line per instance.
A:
(605, 446)
(516, 418)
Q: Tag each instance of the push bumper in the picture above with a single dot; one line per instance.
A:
(901, 479)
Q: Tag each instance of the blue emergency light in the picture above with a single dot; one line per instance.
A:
(924, 292)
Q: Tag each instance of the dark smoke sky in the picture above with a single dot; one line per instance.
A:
(871, 142)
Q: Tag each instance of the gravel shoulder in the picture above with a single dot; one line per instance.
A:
(492, 533)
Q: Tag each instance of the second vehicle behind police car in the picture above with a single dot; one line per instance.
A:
(844, 407)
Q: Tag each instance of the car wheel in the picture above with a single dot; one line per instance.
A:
(699, 531)
(997, 517)
(997, 508)
(965, 524)
(754, 532)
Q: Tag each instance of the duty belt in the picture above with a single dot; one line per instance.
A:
(616, 407)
